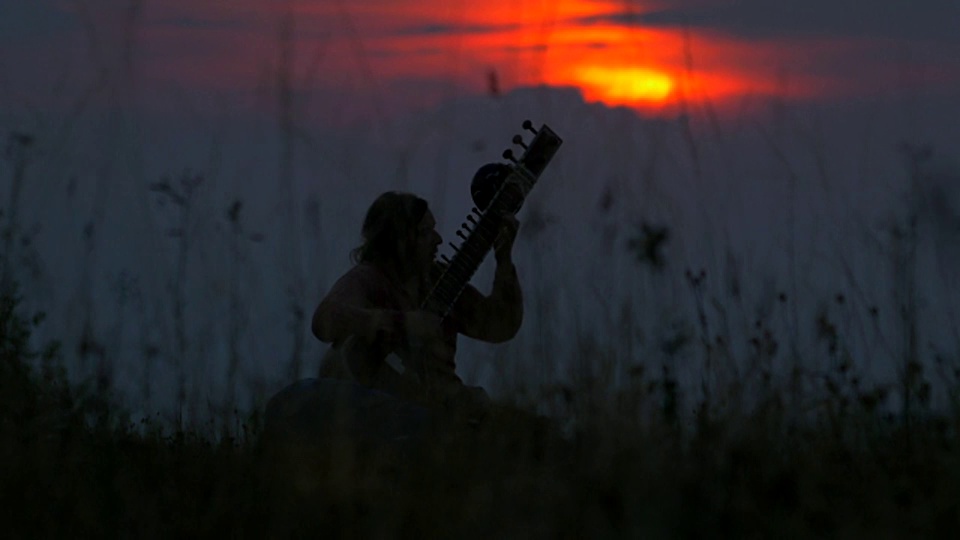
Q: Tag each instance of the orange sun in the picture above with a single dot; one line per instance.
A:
(624, 85)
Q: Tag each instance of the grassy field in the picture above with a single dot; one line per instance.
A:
(738, 404)
(744, 414)
(623, 465)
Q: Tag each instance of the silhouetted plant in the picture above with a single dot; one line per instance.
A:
(647, 244)
(18, 151)
(181, 194)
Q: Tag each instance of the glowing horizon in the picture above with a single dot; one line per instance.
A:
(603, 48)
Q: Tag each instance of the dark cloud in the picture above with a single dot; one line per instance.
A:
(526, 48)
(439, 29)
(396, 53)
(196, 23)
(895, 19)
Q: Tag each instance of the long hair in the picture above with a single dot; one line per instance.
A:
(388, 227)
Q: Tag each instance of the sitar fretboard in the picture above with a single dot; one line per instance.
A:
(484, 225)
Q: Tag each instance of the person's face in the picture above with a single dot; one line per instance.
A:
(425, 241)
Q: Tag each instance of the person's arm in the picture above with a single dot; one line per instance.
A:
(348, 311)
(495, 318)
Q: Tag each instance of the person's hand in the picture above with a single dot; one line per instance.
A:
(425, 336)
(503, 246)
(422, 327)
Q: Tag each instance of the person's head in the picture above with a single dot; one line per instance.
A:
(399, 231)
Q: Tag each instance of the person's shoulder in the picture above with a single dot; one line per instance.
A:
(359, 269)
(362, 278)
(365, 272)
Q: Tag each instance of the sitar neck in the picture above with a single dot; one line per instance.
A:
(484, 225)
(477, 242)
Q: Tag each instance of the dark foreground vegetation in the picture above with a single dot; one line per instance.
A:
(72, 466)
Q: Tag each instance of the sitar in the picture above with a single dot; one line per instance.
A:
(495, 194)
(498, 189)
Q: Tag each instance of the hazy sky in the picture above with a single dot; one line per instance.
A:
(209, 66)
(642, 53)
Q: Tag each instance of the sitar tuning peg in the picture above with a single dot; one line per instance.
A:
(508, 154)
(528, 125)
(476, 211)
(519, 140)
(461, 235)
(445, 259)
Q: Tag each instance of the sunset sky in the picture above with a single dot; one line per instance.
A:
(646, 54)
(122, 93)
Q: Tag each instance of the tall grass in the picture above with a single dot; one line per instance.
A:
(727, 400)
(619, 445)
(624, 464)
